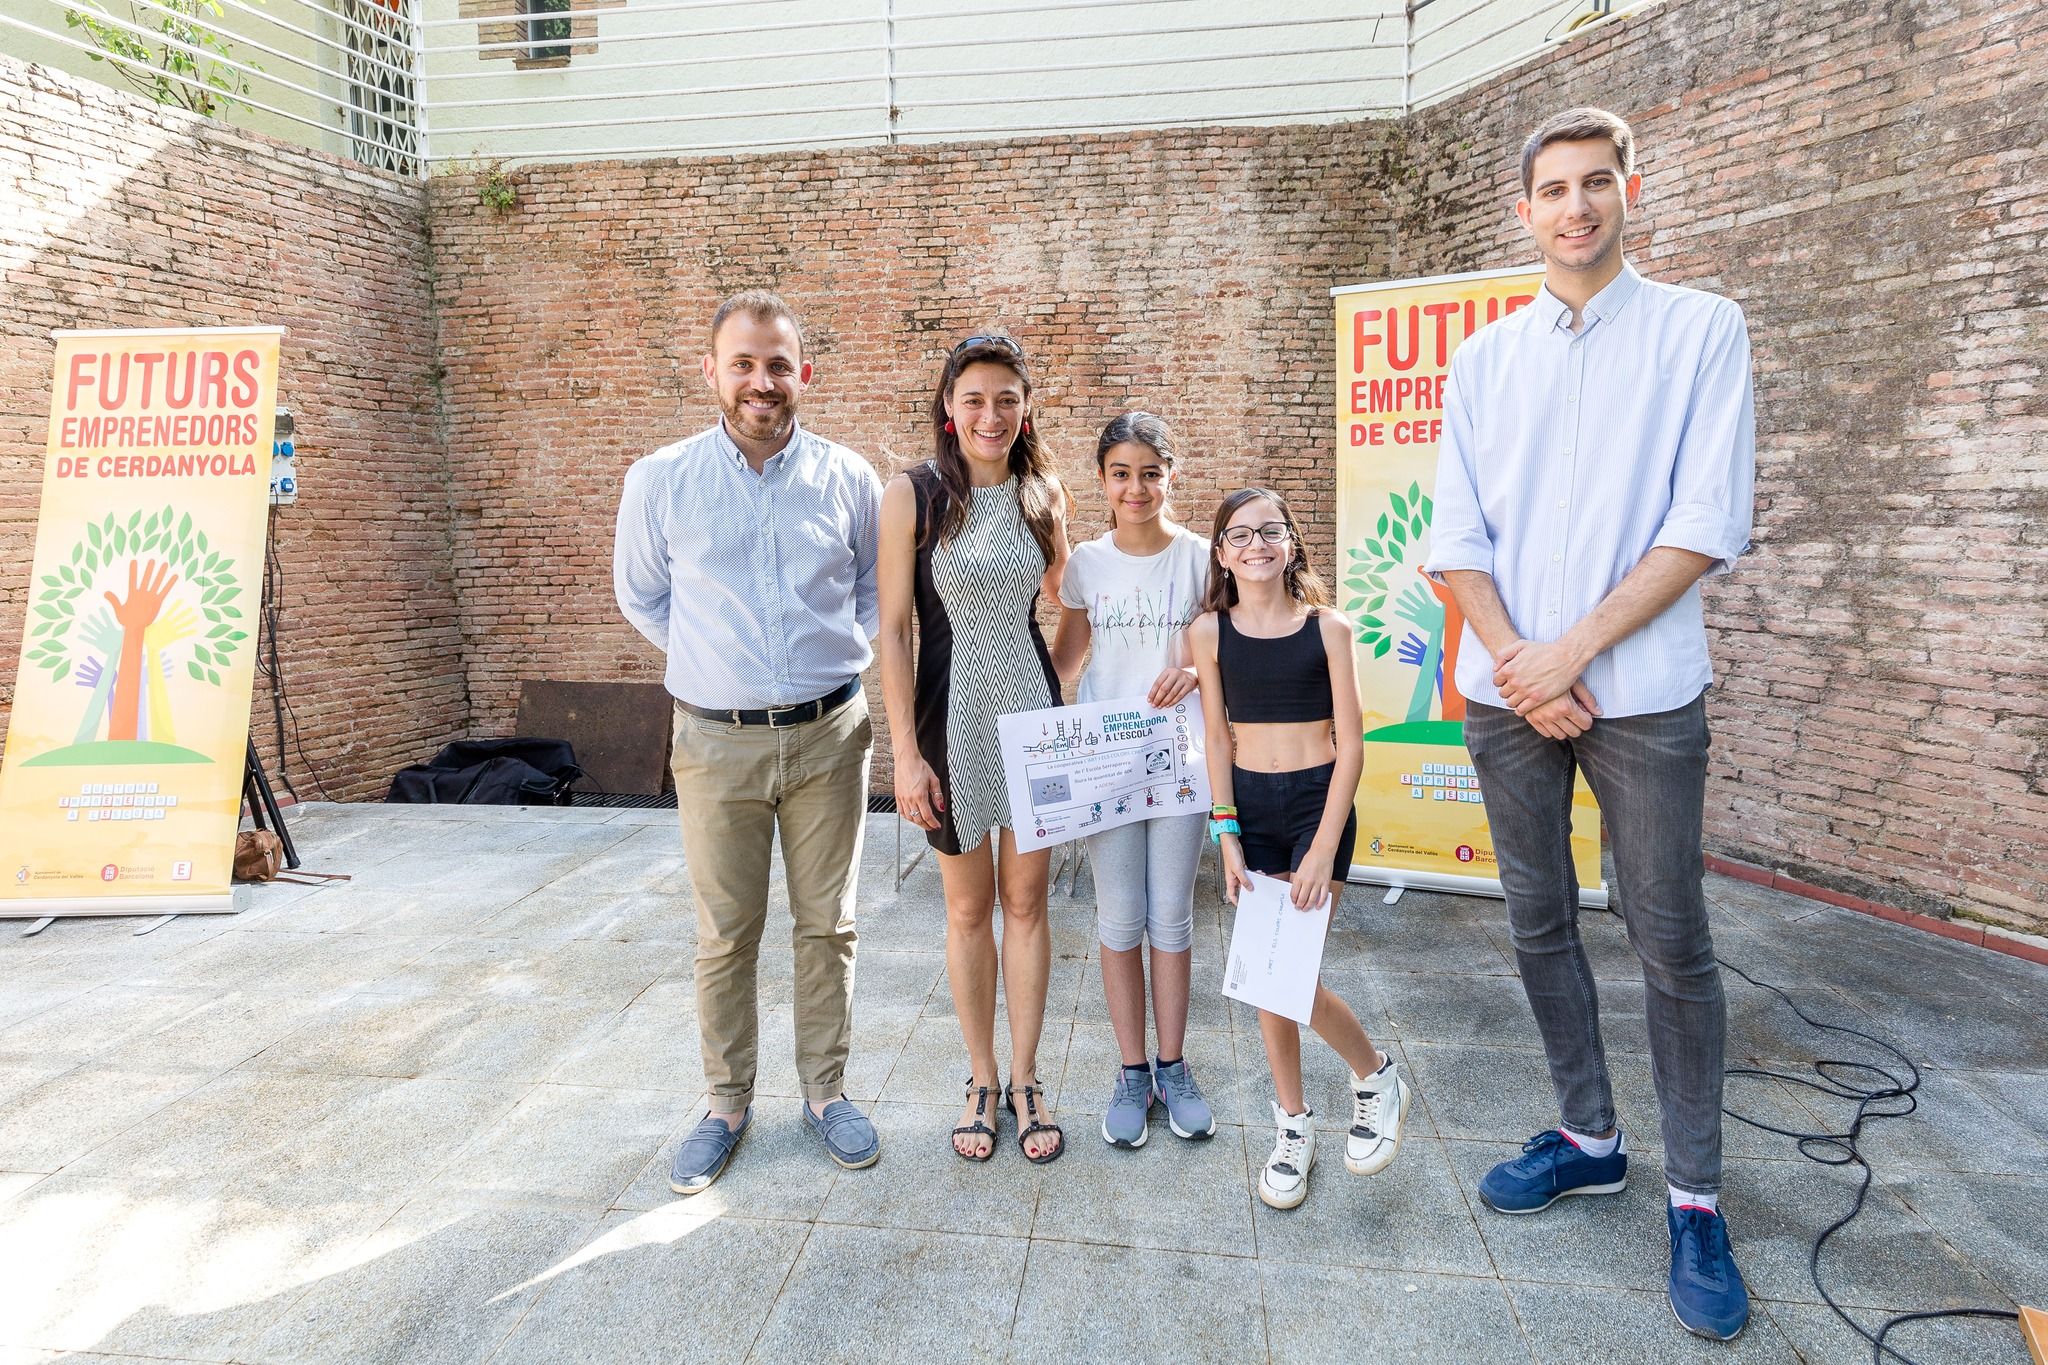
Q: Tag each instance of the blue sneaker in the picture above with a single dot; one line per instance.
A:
(1706, 1288)
(1550, 1167)
(1123, 1123)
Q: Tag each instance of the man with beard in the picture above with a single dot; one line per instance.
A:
(1598, 456)
(747, 555)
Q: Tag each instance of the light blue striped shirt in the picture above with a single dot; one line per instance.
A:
(1567, 457)
(760, 588)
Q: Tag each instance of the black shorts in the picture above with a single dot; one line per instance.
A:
(1280, 814)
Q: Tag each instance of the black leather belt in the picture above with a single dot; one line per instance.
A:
(780, 717)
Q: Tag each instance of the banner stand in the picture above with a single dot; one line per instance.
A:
(128, 753)
(1421, 817)
(263, 804)
(1590, 898)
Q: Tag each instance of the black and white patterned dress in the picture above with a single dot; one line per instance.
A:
(980, 653)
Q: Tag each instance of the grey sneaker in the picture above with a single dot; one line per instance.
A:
(703, 1156)
(1123, 1123)
(1187, 1113)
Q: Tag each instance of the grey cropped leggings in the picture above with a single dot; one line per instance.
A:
(1145, 882)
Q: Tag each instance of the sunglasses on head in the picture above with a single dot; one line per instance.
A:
(991, 339)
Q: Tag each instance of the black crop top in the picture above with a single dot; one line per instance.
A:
(1276, 681)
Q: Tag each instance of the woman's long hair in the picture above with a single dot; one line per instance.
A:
(1303, 583)
(1028, 458)
(1143, 429)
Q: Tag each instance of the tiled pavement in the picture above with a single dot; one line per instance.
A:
(426, 1115)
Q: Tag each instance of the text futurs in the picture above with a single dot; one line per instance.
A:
(1400, 360)
(149, 414)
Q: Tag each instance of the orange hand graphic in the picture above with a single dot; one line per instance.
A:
(148, 586)
(1454, 634)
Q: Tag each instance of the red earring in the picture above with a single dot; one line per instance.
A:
(949, 424)
(1027, 426)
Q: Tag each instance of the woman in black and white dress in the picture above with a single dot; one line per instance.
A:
(969, 540)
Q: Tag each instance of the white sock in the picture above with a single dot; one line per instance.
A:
(1593, 1146)
(1680, 1198)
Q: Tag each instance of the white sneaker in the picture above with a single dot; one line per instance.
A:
(1284, 1181)
(1379, 1106)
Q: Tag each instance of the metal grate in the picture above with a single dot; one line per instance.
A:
(381, 85)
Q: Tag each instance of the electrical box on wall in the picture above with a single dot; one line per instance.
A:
(284, 460)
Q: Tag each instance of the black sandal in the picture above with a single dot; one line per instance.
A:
(1029, 1123)
(977, 1128)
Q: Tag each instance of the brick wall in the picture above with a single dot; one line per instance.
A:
(121, 214)
(1865, 179)
(1186, 272)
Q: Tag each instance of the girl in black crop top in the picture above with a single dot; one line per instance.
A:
(1285, 748)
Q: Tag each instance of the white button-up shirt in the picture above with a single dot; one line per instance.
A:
(760, 588)
(1566, 457)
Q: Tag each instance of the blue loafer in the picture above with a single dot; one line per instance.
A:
(1549, 1168)
(703, 1156)
(849, 1138)
(1707, 1292)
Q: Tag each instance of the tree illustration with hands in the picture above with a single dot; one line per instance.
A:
(167, 590)
(1425, 604)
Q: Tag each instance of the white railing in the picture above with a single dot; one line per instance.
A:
(579, 79)
(339, 75)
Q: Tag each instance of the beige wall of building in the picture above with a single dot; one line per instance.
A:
(661, 77)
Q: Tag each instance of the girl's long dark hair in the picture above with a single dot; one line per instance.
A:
(1028, 458)
(1303, 583)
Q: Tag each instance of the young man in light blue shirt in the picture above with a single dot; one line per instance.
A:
(747, 554)
(1597, 462)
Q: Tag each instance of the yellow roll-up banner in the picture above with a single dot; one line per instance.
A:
(122, 782)
(1421, 821)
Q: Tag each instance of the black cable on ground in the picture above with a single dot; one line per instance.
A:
(1894, 1099)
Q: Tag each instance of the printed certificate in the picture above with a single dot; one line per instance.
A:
(1075, 770)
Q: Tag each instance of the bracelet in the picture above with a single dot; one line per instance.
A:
(1219, 828)
(1223, 812)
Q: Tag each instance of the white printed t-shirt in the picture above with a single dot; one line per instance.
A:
(1136, 605)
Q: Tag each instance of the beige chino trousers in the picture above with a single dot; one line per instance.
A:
(735, 785)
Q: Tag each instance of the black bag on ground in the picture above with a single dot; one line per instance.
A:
(491, 772)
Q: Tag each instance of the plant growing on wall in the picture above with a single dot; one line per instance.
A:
(496, 191)
(169, 50)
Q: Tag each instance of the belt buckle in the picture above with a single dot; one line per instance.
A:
(775, 711)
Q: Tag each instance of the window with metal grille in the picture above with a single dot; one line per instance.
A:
(550, 36)
(383, 128)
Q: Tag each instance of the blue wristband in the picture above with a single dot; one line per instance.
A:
(1219, 828)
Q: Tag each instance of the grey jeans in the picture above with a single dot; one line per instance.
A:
(1649, 774)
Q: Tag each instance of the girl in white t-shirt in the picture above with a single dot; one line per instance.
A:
(1128, 596)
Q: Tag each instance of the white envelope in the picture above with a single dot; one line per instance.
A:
(1276, 951)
